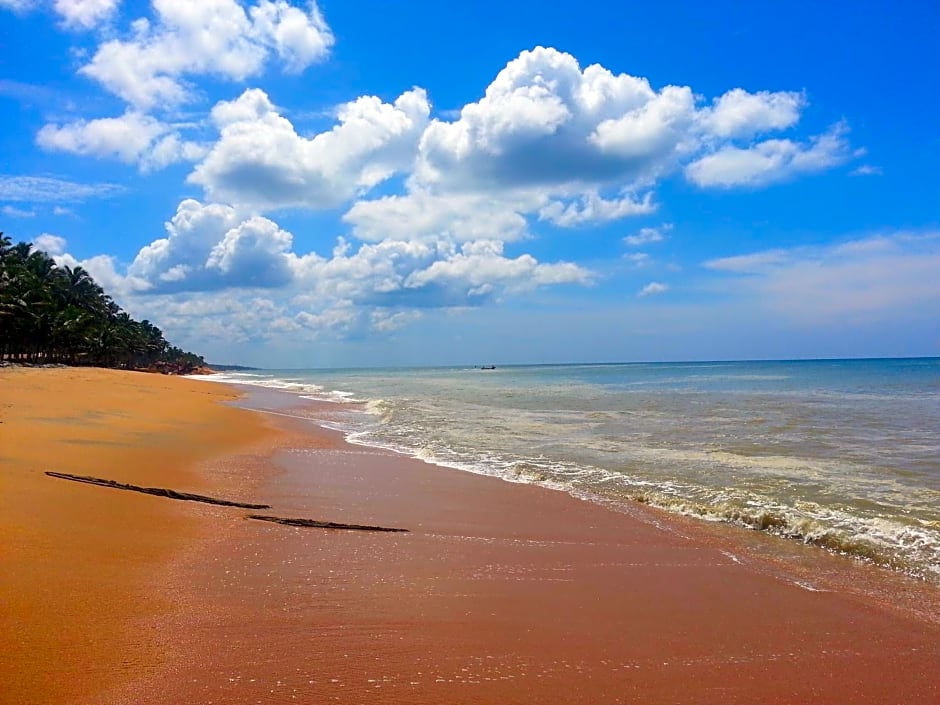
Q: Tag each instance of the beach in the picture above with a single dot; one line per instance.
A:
(497, 592)
(83, 565)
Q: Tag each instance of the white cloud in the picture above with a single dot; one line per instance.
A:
(867, 170)
(13, 212)
(539, 122)
(196, 320)
(592, 208)
(882, 278)
(260, 160)
(653, 288)
(427, 274)
(170, 149)
(575, 147)
(50, 244)
(19, 5)
(209, 37)
(125, 138)
(85, 14)
(104, 270)
(458, 217)
(647, 236)
(252, 254)
(210, 246)
(480, 268)
(637, 259)
(653, 137)
(133, 138)
(36, 189)
(769, 161)
(741, 114)
(747, 264)
(545, 122)
(388, 321)
(299, 38)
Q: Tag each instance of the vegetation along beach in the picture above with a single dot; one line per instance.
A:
(473, 353)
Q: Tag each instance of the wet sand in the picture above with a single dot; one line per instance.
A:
(499, 593)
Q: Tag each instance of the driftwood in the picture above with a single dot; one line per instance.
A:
(158, 491)
(313, 523)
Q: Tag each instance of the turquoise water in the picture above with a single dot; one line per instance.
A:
(844, 454)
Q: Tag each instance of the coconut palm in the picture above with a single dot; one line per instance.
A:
(50, 313)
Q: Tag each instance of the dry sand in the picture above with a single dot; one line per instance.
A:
(79, 563)
(499, 593)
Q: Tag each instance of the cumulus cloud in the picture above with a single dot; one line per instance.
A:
(187, 280)
(458, 217)
(769, 161)
(573, 146)
(741, 114)
(480, 268)
(539, 123)
(133, 138)
(252, 254)
(260, 160)
(210, 246)
(549, 142)
(50, 244)
(106, 272)
(85, 14)
(210, 37)
(429, 273)
(545, 121)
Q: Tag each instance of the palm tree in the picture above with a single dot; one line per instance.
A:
(60, 314)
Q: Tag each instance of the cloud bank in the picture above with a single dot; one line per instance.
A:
(436, 212)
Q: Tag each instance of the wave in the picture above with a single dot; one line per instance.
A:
(912, 548)
(753, 491)
(887, 543)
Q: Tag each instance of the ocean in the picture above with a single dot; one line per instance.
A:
(843, 454)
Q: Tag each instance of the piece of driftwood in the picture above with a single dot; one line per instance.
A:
(158, 491)
(313, 523)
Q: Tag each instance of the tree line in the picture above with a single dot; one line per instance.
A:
(52, 314)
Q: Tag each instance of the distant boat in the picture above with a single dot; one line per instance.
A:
(488, 367)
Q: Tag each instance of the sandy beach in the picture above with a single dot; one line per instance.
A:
(498, 592)
(82, 564)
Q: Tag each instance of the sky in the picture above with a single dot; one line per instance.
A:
(343, 184)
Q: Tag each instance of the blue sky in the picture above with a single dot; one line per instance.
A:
(371, 183)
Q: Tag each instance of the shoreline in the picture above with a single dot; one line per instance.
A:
(789, 546)
(510, 593)
(501, 592)
(858, 502)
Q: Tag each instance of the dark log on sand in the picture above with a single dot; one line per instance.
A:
(158, 491)
(313, 523)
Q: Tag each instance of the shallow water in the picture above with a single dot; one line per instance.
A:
(840, 453)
